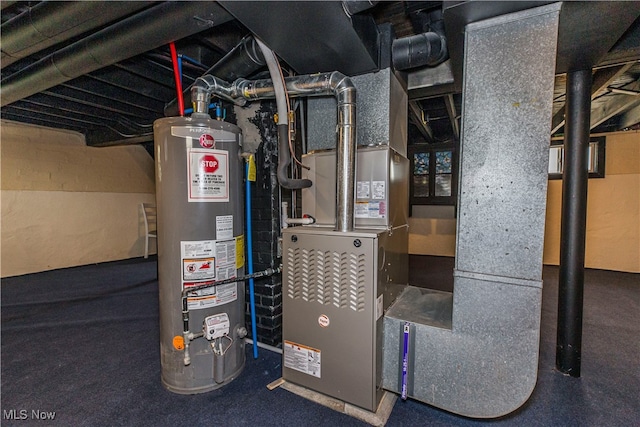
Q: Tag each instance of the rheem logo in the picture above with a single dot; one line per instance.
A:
(207, 141)
(208, 163)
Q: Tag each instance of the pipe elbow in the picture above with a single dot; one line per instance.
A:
(213, 86)
(291, 184)
(285, 160)
(343, 88)
(426, 49)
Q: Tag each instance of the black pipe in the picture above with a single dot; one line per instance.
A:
(426, 49)
(51, 22)
(185, 315)
(149, 29)
(260, 274)
(351, 7)
(573, 223)
(284, 160)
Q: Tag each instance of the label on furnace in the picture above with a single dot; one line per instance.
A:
(302, 358)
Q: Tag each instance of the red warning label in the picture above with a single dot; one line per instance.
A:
(208, 175)
(198, 269)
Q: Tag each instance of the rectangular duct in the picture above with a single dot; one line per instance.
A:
(381, 114)
(312, 37)
(481, 361)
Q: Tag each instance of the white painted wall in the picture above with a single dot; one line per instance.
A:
(65, 204)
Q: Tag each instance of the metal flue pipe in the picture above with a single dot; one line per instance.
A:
(241, 61)
(334, 83)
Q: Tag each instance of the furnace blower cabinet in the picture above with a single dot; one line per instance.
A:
(337, 285)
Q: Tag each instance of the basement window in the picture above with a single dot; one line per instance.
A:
(434, 174)
(596, 158)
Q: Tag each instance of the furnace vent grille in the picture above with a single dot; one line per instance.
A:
(327, 277)
(323, 275)
(293, 264)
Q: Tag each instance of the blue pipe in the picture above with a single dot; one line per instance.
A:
(180, 68)
(252, 297)
(193, 61)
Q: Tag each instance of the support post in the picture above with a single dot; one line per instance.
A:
(573, 223)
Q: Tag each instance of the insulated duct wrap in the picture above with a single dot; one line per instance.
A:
(137, 34)
(51, 22)
(416, 51)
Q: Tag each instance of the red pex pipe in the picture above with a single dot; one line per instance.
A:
(176, 75)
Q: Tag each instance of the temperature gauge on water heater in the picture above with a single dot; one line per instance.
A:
(216, 326)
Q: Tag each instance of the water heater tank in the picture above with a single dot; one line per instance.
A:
(200, 242)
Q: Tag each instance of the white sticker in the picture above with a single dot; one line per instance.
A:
(208, 175)
(198, 249)
(379, 190)
(379, 306)
(225, 259)
(377, 210)
(362, 190)
(224, 227)
(211, 297)
(198, 269)
(302, 358)
(362, 210)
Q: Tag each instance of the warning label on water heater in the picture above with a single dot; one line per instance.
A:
(203, 263)
(198, 269)
(208, 174)
(302, 358)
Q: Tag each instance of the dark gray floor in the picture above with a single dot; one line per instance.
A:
(83, 343)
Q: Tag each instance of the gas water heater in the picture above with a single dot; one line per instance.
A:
(200, 252)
